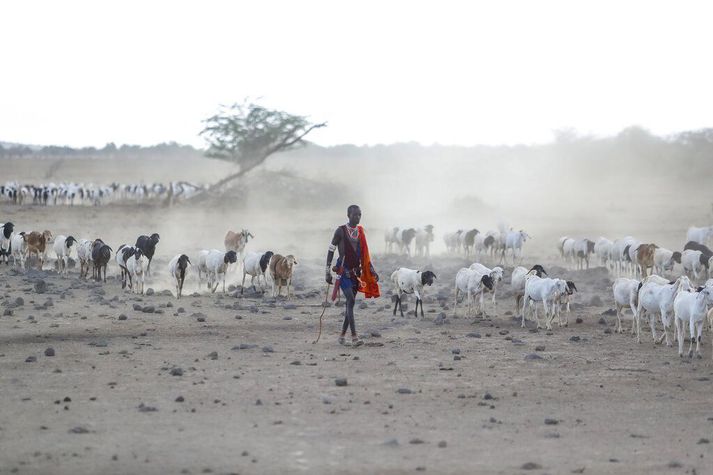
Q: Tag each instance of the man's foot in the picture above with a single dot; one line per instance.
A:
(341, 340)
(356, 341)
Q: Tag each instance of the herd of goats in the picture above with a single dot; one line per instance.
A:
(72, 194)
(652, 281)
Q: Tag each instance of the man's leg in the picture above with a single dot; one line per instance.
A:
(348, 312)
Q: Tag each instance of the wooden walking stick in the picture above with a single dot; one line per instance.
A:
(324, 309)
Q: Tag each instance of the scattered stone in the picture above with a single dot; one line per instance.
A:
(213, 355)
(244, 346)
(416, 441)
(79, 430)
(703, 440)
(455, 351)
(40, 286)
(138, 307)
(149, 309)
(49, 351)
(149, 291)
(30, 359)
(267, 349)
(296, 363)
(457, 358)
(390, 443)
(177, 372)
(258, 403)
(180, 310)
(404, 391)
(531, 466)
(19, 302)
(375, 334)
(532, 357)
(180, 399)
(122, 317)
(473, 335)
(540, 348)
(440, 319)
(144, 408)
(488, 396)
(579, 320)
(340, 382)
(7, 312)
(551, 422)
(442, 444)
(609, 313)
(574, 338)
(289, 306)
(602, 321)
(607, 331)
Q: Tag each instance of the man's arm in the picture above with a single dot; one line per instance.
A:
(330, 254)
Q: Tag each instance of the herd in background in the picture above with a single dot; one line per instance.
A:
(71, 194)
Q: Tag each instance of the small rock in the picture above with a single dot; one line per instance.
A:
(177, 372)
(30, 359)
(267, 349)
(602, 321)
(122, 317)
(138, 307)
(532, 357)
(703, 440)
(540, 348)
(579, 320)
(442, 444)
(457, 358)
(213, 355)
(390, 443)
(7, 312)
(149, 291)
(473, 335)
(149, 309)
(488, 396)
(258, 403)
(551, 422)
(40, 286)
(416, 441)
(404, 391)
(340, 382)
(574, 338)
(531, 466)
(19, 302)
(144, 408)
(49, 351)
(79, 430)
(455, 351)
(180, 399)
(609, 313)
(180, 310)
(375, 334)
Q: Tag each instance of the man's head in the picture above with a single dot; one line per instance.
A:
(354, 215)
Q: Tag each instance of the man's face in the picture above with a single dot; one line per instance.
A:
(354, 216)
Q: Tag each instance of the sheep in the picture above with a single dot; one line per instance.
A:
(281, 268)
(602, 249)
(471, 283)
(694, 262)
(517, 281)
(202, 266)
(655, 299)
(452, 241)
(101, 255)
(468, 241)
(5, 241)
(699, 235)
(135, 267)
(560, 245)
(403, 240)
(37, 244)
(148, 247)
(664, 260)
(390, 239)
(514, 240)
(645, 258)
(564, 299)
(583, 248)
(177, 267)
(626, 292)
(691, 307)
(217, 263)
(409, 281)
(496, 273)
(237, 241)
(545, 290)
(63, 248)
(84, 254)
(18, 249)
(619, 256)
(255, 264)
(123, 253)
(697, 247)
(424, 238)
(567, 250)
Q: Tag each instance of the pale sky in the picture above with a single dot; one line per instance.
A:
(493, 72)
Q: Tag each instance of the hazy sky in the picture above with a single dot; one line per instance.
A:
(87, 73)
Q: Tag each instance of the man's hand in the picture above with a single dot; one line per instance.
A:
(328, 277)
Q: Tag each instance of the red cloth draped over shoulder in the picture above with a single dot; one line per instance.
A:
(367, 284)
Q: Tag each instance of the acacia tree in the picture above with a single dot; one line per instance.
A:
(247, 133)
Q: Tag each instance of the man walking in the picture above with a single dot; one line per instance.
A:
(354, 269)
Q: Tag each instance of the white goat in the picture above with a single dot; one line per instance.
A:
(693, 262)
(409, 281)
(603, 249)
(452, 241)
(514, 240)
(19, 249)
(84, 254)
(472, 284)
(424, 238)
(496, 273)
(256, 264)
(545, 290)
(583, 248)
(135, 265)
(567, 250)
(217, 263)
(201, 265)
(626, 293)
(655, 298)
(691, 308)
(63, 248)
(665, 259)
(517, 281)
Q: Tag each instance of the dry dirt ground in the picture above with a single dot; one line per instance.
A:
(221, 384)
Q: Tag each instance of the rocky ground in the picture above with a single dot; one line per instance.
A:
(98, 380)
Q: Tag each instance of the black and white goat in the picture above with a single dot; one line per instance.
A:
(147, 244)
(177, 267)
(409, 281)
